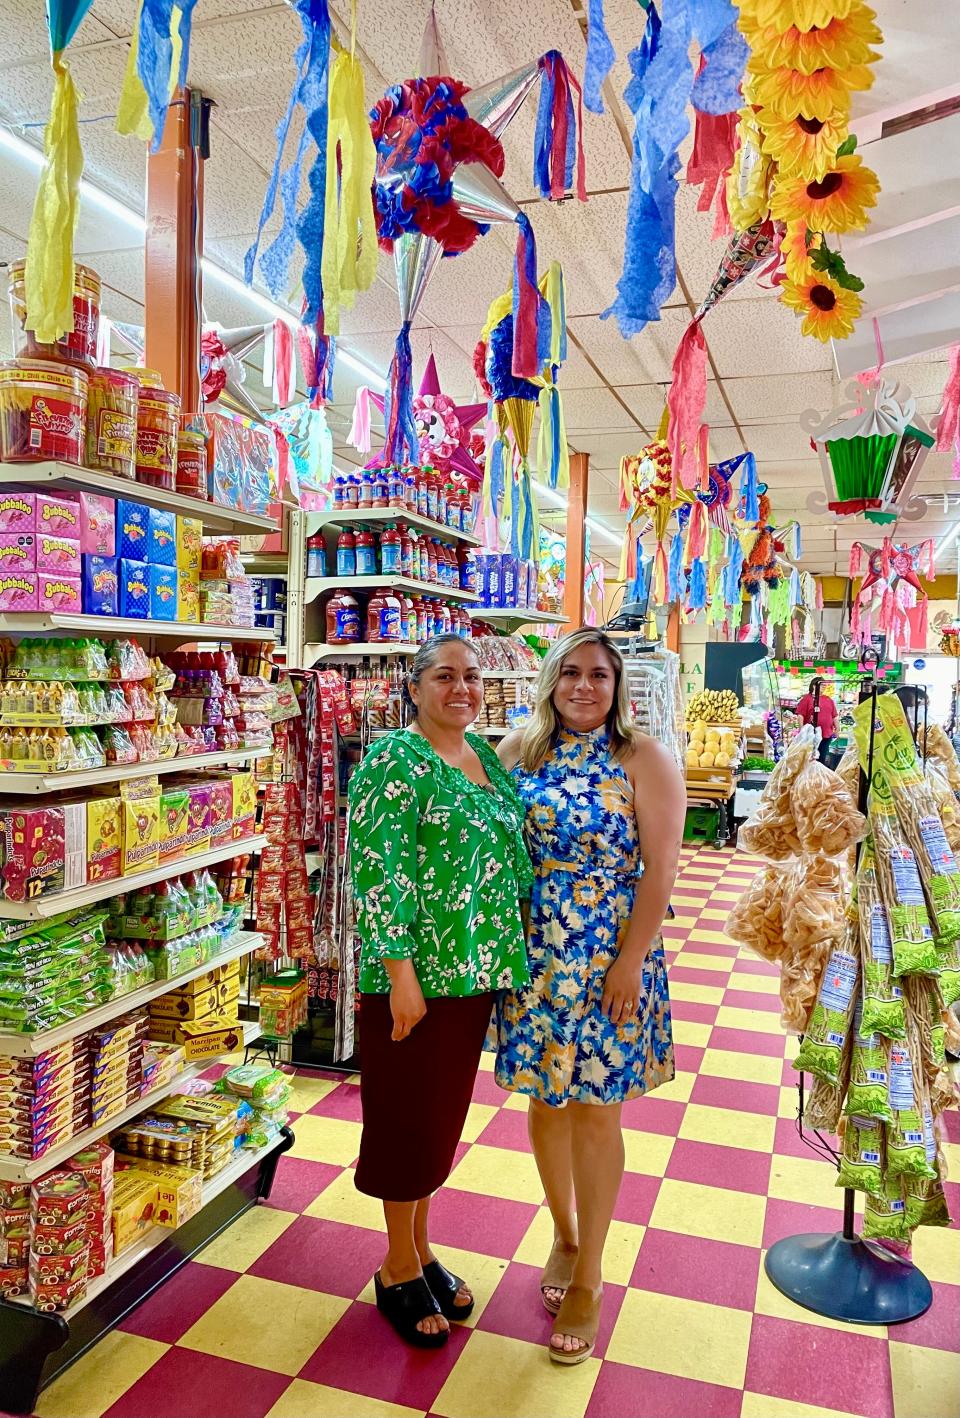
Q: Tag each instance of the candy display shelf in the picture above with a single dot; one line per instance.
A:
(357, 650)
(21, 1169)
(374, 517)
(512, 617)
(110, 626)
(122, 772)
(31, 1045)
(319, 585)
(42, 907)
(66, 477)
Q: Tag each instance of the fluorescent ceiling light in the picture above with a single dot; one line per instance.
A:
(110, 206)
(947, 541)
(550, 494)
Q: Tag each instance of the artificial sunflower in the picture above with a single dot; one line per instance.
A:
(748, 182)
(802, 147)
(788, 93)
(838, 202)
(837, 45)
(828, 310)
(796, 247)
(792, 14)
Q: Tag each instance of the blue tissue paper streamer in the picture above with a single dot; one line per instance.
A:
(600, 57)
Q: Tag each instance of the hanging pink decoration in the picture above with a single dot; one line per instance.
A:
(444, 428)
(890, 599)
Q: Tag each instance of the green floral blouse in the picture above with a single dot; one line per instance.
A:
(438, 864)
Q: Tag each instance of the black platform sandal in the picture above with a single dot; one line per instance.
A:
(445, 1287)
(405, 1305)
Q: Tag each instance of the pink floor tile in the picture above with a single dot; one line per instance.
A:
(651, 1113)
(711, 1165)
(939, 1328)
(789, 1143)
(736, 1093)
(716, 1272)
(790, 1077)
(343, 1102)
(637, 1196)
(794, 1218)
(299, 1182)
(507, 1129)
(486, 1224)
(951, 1124)
(622, 1390)
(753, 965)
(177, 1305)
(516, 1309)
(671, 932)
(693, 1013)
(362, 1354)
(749, 999)
(811, 1364)
(323, 1255)
(185, 1382)
(747, 1041)
(688, 1058)
(951, 1191)
(684, 975)
(723, 952)
(487, 1090)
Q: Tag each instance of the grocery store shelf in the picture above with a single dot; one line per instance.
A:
(489, 731)
(20, 1169)
(360, 650)
(25, 1046)
(245, 1159)
(510, 674)
(512, 616)
(66, 476)
(42, 907)
(110, 626)
(320, 585)
(387, 517)
(122, 772)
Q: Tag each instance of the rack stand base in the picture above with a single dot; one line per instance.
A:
(847, 1279)
(35, 1347)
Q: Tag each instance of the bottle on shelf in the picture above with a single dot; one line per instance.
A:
(422, 499)
(423, 620)
(431, 567)
(343, 619)
(391, 549)
(410, 488)
(397, 489)
(383, 617)
(352, 490)
(467, 559)
(366, 553)
(441, 501)
(406, 550)
(366, 488)
(431, 481)
(316, 555)
(381, 488)
(346, 553)
(408, 620)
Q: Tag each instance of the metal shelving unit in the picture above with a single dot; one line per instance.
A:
(111, 626)
(29, 783)
(513, 617)
(320, 585)
(387, 517)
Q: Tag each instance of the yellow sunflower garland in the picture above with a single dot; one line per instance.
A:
(801, 147)
(828, 310)
(797, 14)
(841, 44)
(823, 95)
(836, 203)
(797, 246)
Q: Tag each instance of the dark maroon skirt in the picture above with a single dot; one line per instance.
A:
(416, 1093)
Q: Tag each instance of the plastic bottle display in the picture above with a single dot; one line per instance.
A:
(346, 554)
(343, 619)
(316, 555)
(366, 554)
(383, 618)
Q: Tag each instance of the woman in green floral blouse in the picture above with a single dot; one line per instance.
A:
(438, 865)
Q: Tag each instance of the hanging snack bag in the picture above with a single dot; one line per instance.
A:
(800, 974)
(821, 1049)
(906, 1144)
(861, 1159)
(814, 907)
(772, 831)
(867, 1093)
(757, 918)
(900, 887)
(828, 821)
(882, 997)
(885, 1213)
(925, 1202)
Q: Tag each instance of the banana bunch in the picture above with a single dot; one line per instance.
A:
(714, 706)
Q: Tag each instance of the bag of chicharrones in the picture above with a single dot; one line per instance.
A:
(940, 750)
(756, 920)
(815, 901)
(828, 820)
(772, 831)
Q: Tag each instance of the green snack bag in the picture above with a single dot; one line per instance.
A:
(901, 890)
(950, 973)
(882, 997)
(907, 1146)
(867, 1091)
(926, 1204)
(862, 1157)
(885, 1213)
(821, 1049)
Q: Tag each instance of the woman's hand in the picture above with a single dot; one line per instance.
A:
(623, 988)
(407, 1004)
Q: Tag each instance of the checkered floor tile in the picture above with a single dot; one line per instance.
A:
(274, 1319)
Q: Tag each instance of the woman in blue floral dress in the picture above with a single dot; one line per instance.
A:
(592, 1028)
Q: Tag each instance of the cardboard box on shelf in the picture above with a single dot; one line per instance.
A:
(135, 1201)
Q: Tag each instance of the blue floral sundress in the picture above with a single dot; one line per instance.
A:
(553, 1040)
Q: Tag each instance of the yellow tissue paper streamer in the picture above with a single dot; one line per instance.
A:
(350, 236)
(49, 269)
(133, 115)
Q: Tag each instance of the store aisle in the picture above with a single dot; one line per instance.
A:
(276, 1317)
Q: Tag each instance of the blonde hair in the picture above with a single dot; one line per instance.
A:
(545, 724)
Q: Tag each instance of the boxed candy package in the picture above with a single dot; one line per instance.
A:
(61, 1198)
(98, 522)
(18, 512)
(59, 556)
(132, 526)
(44, 850)
(141, 834)
(104, 838)
(134, 1207)
(59, 593)
(18, 553)
(58, 513)
(134, 589)
(19, 591)
(161, 538)
(100, 585)
(163, 593)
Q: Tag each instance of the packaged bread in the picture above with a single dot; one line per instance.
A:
(900, 887)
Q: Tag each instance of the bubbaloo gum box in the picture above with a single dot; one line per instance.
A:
(98, 522)
(141, 834)
(131, 530)
(100, 585)
(163, 593)
(19, 591)
(59, 513)
(18, 552)
(59, 593)
(18, 512)
(161, 537)
(134, 589)
(58, 555)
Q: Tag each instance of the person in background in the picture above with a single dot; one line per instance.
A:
(438, 864)
(592, 1028)
(827, 718)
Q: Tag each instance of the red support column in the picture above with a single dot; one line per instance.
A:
(174, 244)
(576, 539)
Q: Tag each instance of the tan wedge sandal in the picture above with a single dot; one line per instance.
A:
(557, 1274)
(578, 1316)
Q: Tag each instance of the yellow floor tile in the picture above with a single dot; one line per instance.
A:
(688, 1031)
(692, 960)
(620, 1252)
(725, 896)
(679, 1088)
(333, 1140)
(926, 1382)
(512, 1379)
(496, 1171)
(487, 1062)
(937, 1252)
(679, 899)
(94, 1383)
(695, 994)
(713, 914)
(647, 1152)
(478, 1115)
(771, 1302)
(755, 984)
(303, 1397)
(758, 1405)
(728, 1128)
(806, 1179)
(758, 1021)
(517, 1102)
(481, 1272)
(686, 1338)
(750, 1068)
(686, 920)
(789, 1097)
(281, 1324)
(537, 1240)
(341, 1201)
(306, 1092)
(951, 1151)
(710, 937)
(245, 1241)
(712, 1212)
